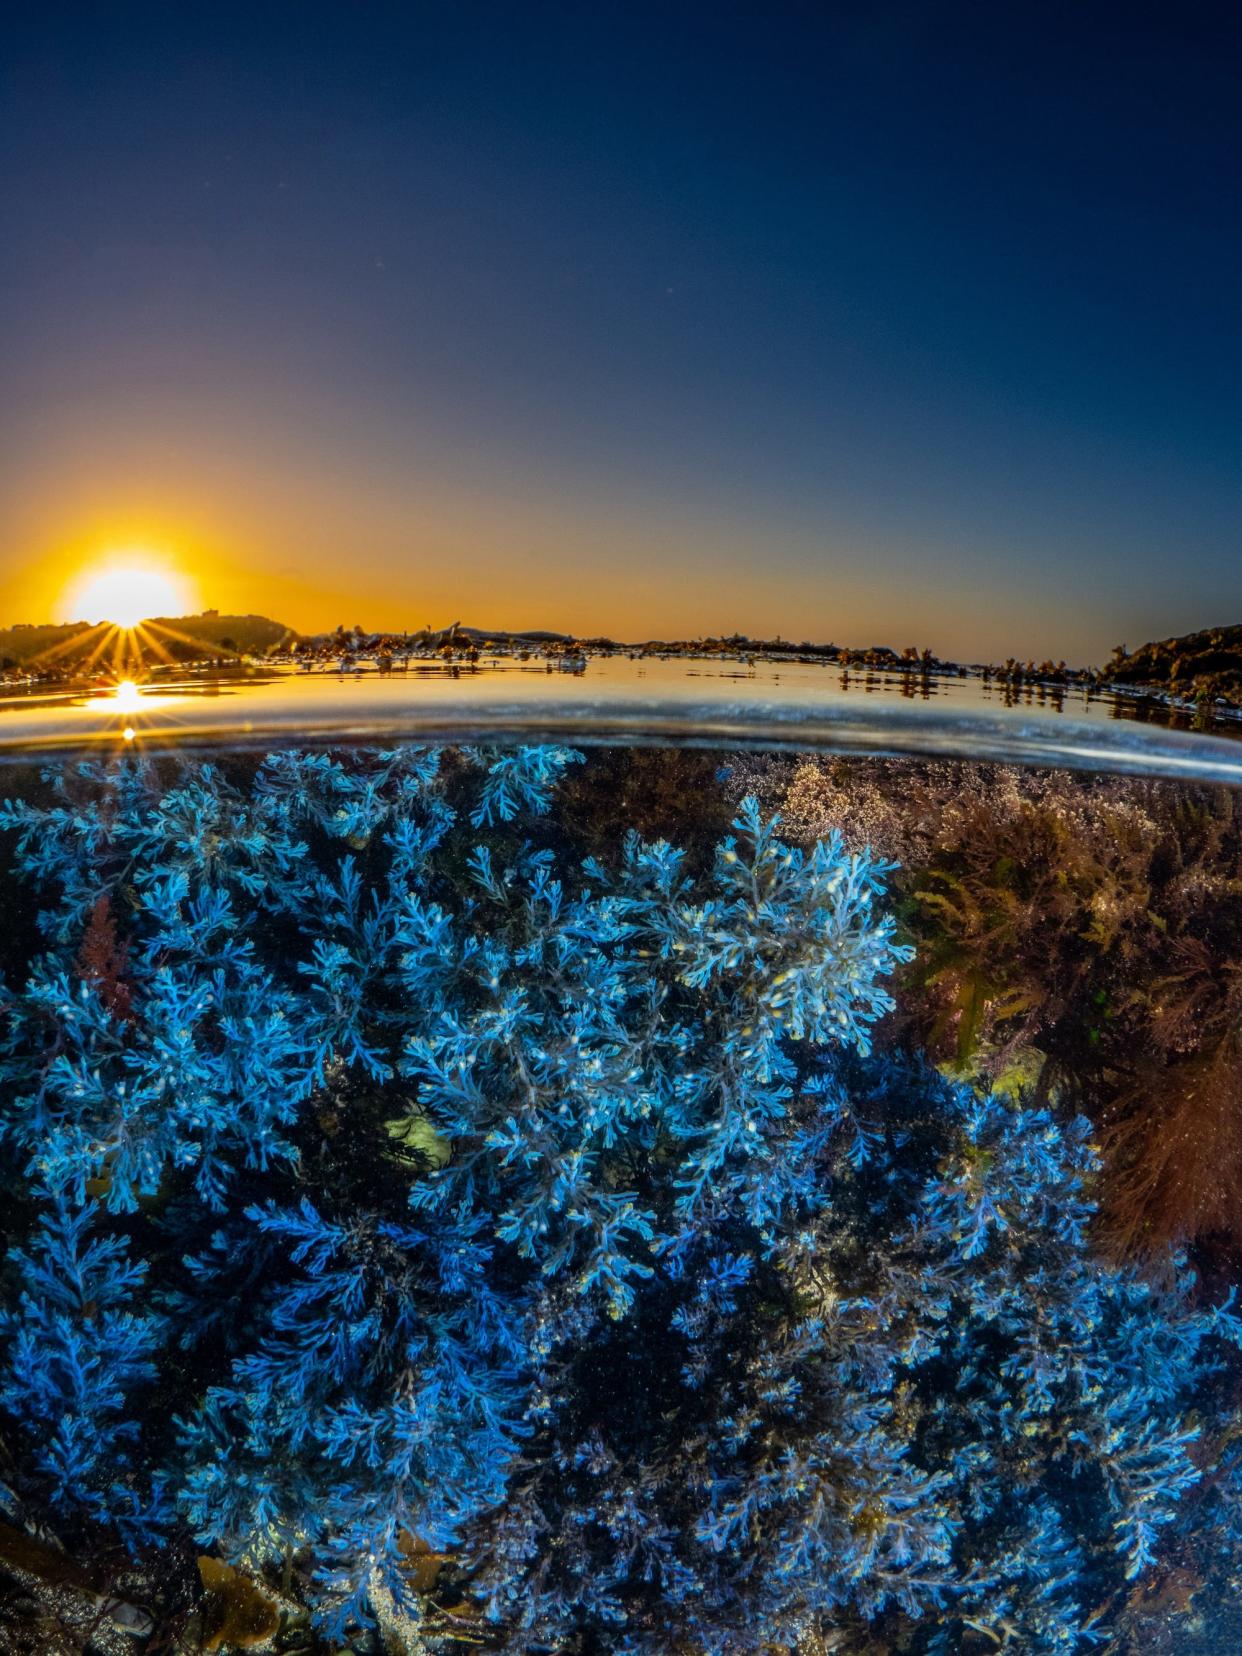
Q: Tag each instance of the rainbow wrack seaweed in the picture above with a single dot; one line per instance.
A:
(404, 1186)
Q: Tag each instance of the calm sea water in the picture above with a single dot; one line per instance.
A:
(678, 1158)
(795, 704)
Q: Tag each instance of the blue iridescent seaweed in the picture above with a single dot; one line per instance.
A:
(694, 1323)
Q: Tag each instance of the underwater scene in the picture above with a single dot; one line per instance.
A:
(651, 1200)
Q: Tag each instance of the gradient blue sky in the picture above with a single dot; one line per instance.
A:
(887, 323)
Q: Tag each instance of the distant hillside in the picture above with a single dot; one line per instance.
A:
(21, 644)
(251, 634)
(77, 645)
(1197, 666)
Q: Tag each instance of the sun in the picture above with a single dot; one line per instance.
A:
(126, 591)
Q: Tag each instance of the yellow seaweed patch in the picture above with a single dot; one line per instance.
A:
(237, 1612)
(415, 1132)
(422, 1565)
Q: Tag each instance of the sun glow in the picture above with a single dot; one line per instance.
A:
(126, 592)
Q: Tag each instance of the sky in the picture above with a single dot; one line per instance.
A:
(888, 323)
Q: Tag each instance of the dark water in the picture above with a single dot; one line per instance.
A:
(633, 1198)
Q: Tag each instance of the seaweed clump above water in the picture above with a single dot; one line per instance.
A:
(504, 1248)
(1203, 666)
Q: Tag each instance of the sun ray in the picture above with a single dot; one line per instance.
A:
(105, 639)
(200, 644)
(63, 646)
(121, 637)
(146, 636)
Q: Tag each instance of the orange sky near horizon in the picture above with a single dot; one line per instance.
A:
(661, 582)
(398, 543)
